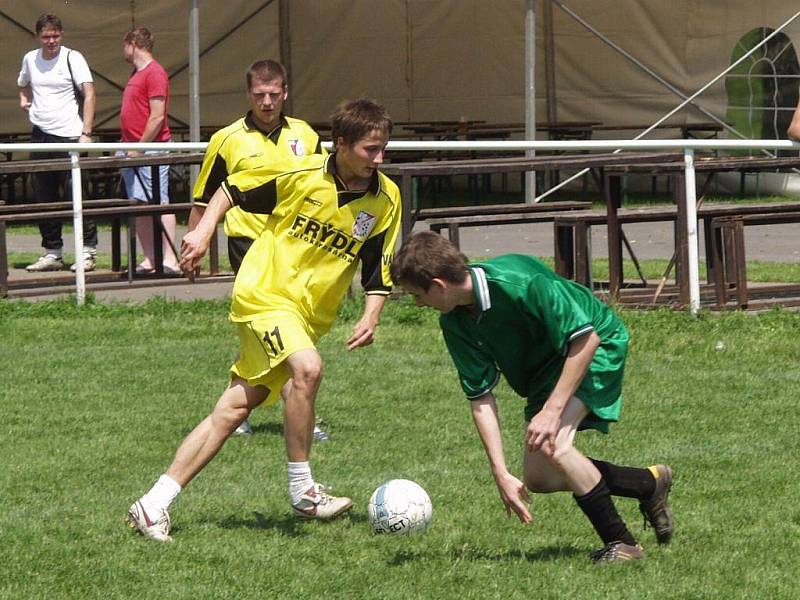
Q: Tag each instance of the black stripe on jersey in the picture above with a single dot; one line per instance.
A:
(371, 254)
(218, 173)
(260, 200)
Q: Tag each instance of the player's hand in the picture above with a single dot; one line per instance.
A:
(193, 248)
(363, 334)
(514, 496)
(542, 431)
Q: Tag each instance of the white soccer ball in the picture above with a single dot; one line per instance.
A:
(400, 507)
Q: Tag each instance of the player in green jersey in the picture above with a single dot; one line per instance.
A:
(326, 215)
(559, 347)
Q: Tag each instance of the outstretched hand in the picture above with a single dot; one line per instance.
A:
(514, 496)
(193, 248)
(363, 334)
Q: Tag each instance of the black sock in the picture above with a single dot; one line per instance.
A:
(601, 512)
(630, 482)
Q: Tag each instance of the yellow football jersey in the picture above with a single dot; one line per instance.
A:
(241, 146)
(316, 233)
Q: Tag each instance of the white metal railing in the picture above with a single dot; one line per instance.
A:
(687, 146)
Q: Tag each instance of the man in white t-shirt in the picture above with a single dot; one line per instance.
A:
(50, 80)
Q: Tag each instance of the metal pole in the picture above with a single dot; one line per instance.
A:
(285, 44)
(530, 94)
(550, 61)
(194, 84)
(77, 225)
(691, 231)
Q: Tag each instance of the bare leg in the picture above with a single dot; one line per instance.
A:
(203, 443)
(298, 414)
(568, 469)
(144, 233)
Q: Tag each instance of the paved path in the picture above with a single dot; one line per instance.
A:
(777, 243)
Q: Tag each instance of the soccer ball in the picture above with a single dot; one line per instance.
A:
(400, 507)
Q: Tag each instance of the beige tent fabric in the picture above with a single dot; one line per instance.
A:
(425, 59)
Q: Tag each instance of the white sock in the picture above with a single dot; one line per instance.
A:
(299, 480)
(161, 495)
(59, 253)
(90, 251)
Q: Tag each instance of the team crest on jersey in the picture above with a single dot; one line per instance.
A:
(363, 225)
(298, 147)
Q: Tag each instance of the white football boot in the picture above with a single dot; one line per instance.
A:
(316, 503)
(156, 529)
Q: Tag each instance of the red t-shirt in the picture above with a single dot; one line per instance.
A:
(150, 82)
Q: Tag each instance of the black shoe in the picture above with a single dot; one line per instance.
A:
(617, 552)
(655, 510)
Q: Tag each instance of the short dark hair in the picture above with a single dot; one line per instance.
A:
(426, 256)
(141, 37)
(48, 21)
(355, 119)
(266, 70)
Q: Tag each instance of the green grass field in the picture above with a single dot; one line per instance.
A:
(95, 401)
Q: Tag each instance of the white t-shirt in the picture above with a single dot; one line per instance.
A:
(54, 109)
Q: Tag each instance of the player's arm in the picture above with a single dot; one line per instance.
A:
(364, 330)
(543, 428)
(25, 97)
(512, 491)
(794, 126)
(195, 243)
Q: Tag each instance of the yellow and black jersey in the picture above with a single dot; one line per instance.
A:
(241, 146)
(316, 233)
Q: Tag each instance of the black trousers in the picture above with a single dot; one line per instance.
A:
(52, 186)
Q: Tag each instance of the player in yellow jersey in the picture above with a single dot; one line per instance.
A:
(263, 136)
(326, 214)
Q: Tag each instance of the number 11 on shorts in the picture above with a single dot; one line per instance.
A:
(275, 333)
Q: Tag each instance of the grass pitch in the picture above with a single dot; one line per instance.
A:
(95, 401)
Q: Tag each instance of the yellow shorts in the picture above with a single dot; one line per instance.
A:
(265, 344)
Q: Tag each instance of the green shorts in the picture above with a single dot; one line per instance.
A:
(601, 388)
(264, 345)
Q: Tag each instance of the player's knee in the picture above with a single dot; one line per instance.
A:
(308, 374)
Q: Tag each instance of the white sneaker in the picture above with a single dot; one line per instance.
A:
(89, 264)
(316, 503)
(48, 262)
(320, 435)
(243, 429)
(157, 529)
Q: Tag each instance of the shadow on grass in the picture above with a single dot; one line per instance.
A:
(546, 554)
(285, 524)
(268, 428)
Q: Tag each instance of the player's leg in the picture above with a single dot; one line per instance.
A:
(651, 486)
(569, 470)
(237, 248)
(150, 513)
(309, 499)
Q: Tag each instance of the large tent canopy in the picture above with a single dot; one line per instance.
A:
(439, 59)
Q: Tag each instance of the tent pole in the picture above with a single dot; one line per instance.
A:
(194, 84)
(530, 94)
(550, 61)
(284, 32)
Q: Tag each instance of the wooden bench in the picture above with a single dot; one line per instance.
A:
(571, 235)
(453, 218)
(728, 251)
(114, 212)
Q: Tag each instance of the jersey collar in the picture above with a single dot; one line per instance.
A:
(343, 193)
(273, 134)
(480, 288)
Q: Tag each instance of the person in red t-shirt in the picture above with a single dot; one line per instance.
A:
(143, 118)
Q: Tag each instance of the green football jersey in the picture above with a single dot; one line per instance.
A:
(522, 323)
